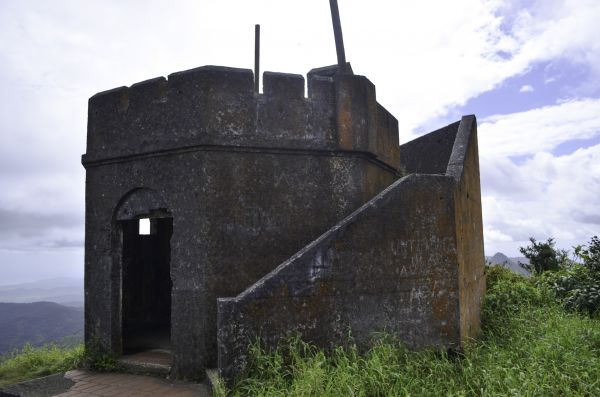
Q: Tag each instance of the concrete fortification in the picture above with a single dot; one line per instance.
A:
(272, 214)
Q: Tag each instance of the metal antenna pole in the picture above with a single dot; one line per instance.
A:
(256, 56)
(337, 32)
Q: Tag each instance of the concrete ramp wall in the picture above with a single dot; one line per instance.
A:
(395, 265)
(463, 166)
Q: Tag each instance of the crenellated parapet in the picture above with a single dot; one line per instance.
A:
(216, 106)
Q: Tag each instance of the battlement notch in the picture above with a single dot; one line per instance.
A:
(217, 106)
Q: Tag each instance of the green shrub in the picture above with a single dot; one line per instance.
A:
(564, 281)
(590, 255)
(33, 362)
(495, 274)
(585, 299)
(508, 292)
(577, 287)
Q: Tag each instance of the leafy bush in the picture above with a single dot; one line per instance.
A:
(586, 299)
(578, 286)
(590, 255)
(495, 274)
(564, 281)
(508, 292)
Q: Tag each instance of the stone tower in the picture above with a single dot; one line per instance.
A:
(273, 213)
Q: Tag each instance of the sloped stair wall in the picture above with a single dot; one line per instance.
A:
(395, 265)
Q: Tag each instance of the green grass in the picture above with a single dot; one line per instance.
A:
(529, 346)
(33, 362)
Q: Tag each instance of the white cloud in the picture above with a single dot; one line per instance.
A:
(496, 236)
(565, 207)
(526, 88)
(541, 129)
(422, 70)
(525, 33)
(551, 29)
(545, 195)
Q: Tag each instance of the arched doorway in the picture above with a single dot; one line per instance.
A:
(142, 251)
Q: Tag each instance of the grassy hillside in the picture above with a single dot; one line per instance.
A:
(38, 323)
(529, 346)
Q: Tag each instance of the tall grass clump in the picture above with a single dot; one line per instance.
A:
(99, 359)
(33, 362)
(529, 346)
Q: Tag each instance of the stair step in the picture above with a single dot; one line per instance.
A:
(152, 362)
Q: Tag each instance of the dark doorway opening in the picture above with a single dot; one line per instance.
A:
(146, 288)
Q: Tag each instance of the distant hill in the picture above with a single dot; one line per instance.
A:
(65, 291)
(38, 323)
(512, 263)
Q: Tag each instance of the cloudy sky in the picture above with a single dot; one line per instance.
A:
(529, 70)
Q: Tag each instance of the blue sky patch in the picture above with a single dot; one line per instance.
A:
(542, 85)
(571, 146)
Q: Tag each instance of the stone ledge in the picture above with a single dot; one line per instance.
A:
(41, 387)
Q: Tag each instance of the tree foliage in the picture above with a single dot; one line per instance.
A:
(590, 255)
(543, 256)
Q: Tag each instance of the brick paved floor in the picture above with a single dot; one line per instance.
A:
(113, 384)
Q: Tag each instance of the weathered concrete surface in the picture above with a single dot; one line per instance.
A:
(41, 387)
(409, 262)
(246, 179)
(214, 105)
(390, 266)
(464, 167)
(430, 153)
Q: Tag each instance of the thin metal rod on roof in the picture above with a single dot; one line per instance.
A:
(337, 32)
(256, 56)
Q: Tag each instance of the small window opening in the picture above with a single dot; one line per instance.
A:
(144, 229)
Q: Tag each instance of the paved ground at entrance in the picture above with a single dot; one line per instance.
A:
(117, 384)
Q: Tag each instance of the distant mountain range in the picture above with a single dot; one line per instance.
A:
(65, 291)
(38, 323)
(512, 263)
(41, 312)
